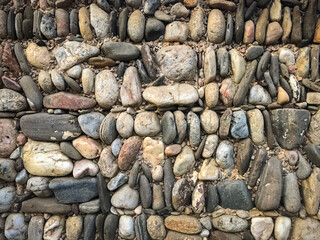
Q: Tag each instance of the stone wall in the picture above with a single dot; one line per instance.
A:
(159, 119)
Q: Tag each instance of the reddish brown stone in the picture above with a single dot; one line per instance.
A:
(10, 60)
(21, 139)
(8, 134)
(68, 101)
(11, 84)
(62, 21)
(129, 152)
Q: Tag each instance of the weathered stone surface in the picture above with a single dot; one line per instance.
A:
(128, 152)
(262, 227)
(184, 161)
(289, 126)
(7, 195)
(87, 147)
(228, 223)
(314, 129)
(38, 56)
(68, 101)
(7, 170)
(178, 62)
(130, 91)
(153, 151)
(8, 134)
(125, 197)
(311, 193)
(11, 101)
(106, 89)
(183, 224)
(72, 53)
(55, 164)
(235, 195)
(45, 205)
(50, 127)
(270, 189)
(71, 190)
(107, 163)
(120, 51)
(181, 194)
(176, 31)
(216, 26)
(305, 229)
(178, 94)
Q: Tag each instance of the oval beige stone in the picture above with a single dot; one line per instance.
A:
(45, 159)
(216, 26)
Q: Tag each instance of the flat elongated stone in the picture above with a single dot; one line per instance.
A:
(289, 126)
(73, 52)
(45, 205)
(71, 190)
(68, 101)
(183, 224)
(179, 94)
(120, 51)
(270, 189)
(49, 127)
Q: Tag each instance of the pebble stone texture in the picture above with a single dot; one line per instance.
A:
(159, 119)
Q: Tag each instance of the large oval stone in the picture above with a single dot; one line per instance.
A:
(106, 89)
(289, 126)
(179, 94)
(12, 101)
(50, 127)
(45, 159)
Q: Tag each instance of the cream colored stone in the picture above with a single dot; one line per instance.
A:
(153, 151)
(74, 227)
(45, 159)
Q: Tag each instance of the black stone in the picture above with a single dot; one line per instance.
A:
(71, 190)
(110, 226)
(291, 3)
(212, 199)
(10, 25)
(104, 194)
(113, 23)
(89, 227)
(49, 127)
(121, 69)
(234, 195)
(289, 126)
(274, 69)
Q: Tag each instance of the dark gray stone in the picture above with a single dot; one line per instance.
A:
(313, 153)
(239, 22)
(154, 29)
(18, 26)
(257, 166)
(145, 192)
(47, 27)
(245, 84)
(254, 52)
(90, 123)
(229, 29)
(32, 93)
(36, 24)
(120, 51)
(142, 72)
(250, 11)
(234, 195)
(103, 4)
(275, 69)
(304, 169)
(212, 199)
(18, 50)
(10, 25)
(50, 127)
(225, 123)
(272, 89)
(134, 174)
(140, 226)
(168, 182)
(7, 170)
(291, 193)
(194, 129)
(239, 128)
(296, 33)
(223, 61)
(74, 22)
(146, 171)
(181, 194)
(89, 227)
(110, 226)
(289, 126)
(7, 197)
(269, 192)
(148, 61)
(309, 21)
(150, 6)
(263, 65)
(72, 84)
(108, 131)
(45, 205)
(104, 194)
(68, 149)
(71, 190)
(243, 157)
(168, 128)
(122, 23)
(100, 224)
